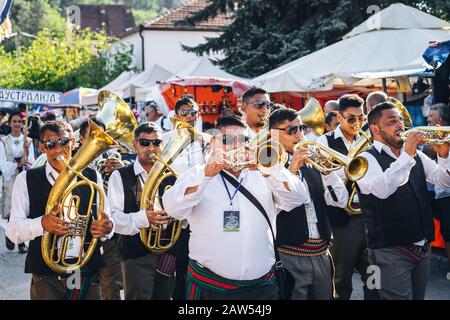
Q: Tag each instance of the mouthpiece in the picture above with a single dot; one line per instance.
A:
(60, 158)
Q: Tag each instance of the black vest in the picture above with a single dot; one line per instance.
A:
(38, 191)
(292, 226)
(338, 216)
(130, 247)
(406, 216)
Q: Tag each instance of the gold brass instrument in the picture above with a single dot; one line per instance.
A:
(99, 165)
(355, 168)
(267, 153)
(433, 135)
(312, 115)
(116, 115)
(363, 143)
(159, 239)
(54, 247)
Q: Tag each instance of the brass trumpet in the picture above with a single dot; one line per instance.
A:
(268, 154)
(355, 168)
(433, 135)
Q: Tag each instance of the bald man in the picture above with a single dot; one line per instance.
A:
(375, 98)
(331, 105)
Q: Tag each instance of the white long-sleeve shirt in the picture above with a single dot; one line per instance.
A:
(21, 228)
(382, 184)
(240, 255)
(10, 148)
(190, 156)
(338, 186)
(338, 134)
(126, 223)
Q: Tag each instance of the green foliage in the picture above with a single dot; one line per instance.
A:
(268, 33)
(61, 63)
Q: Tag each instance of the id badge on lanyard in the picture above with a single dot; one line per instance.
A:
(231, 218)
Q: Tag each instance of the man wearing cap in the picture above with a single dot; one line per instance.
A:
(153, 113)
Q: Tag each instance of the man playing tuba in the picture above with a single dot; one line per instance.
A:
(28, 222)
(141, 280)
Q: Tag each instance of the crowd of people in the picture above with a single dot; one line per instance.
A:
(247, 233)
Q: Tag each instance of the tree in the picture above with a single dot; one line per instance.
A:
(79, 59)
(268, 33)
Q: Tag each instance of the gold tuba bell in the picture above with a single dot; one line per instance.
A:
(312, 115)
(118, 132)
(159, 239)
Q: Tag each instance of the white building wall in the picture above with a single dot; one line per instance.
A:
(163, 47)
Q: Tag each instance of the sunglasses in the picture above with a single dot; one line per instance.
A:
(147, 142)
(186, 112)
(290, 130)
(228, 139)
(51, 144)
(261, 104)
(353, 119)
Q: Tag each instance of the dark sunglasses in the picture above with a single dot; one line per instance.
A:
(51, 144)
(353, 119)
(228, 139)
(261, 104)
(290, 130)
(147, 142)
(185, 112)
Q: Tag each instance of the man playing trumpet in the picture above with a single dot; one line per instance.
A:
(28, 222)
(231, 250)
(304, 233)
(396, 204)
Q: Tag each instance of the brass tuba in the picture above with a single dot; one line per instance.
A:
(60, 198)
(159, 239)
(312, 115)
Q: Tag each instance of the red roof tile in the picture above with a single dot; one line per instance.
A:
(168, 20)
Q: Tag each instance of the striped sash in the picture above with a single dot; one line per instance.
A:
(79, 293)
(200, 278)
(311, 248)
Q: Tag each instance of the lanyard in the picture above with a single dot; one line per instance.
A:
(228, 191)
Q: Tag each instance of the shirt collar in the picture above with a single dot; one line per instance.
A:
(380, 146)
(51, 173)
(138, 168)
(339, 134)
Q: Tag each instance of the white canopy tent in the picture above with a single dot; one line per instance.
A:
(124, 77)
(197, 71)
(201, 67)
(389, 44)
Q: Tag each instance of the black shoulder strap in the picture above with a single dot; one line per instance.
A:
(259, 206)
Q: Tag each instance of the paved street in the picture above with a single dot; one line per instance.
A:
(14, 283)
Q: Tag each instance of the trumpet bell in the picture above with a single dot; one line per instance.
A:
(312, 115)
(357, 168)
(270, 157)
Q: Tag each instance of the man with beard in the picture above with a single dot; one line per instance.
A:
(256, 105)
(141, 280)
(398, 211)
